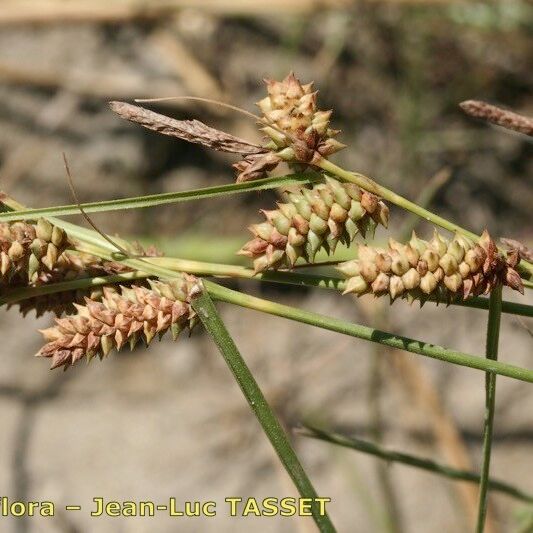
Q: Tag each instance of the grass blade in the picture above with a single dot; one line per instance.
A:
(16, 295)
(212, 322)
(493, 337)
(161, 199)
(412, 460)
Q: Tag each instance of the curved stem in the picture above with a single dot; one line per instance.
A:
(412, 460)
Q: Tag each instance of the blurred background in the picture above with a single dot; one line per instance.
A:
(170, 421)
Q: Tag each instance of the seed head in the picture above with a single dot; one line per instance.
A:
(29, 250)
(292, 108)
(314, 218)
(418, 269)
(297, 132)
(70, 266)
(122, 316)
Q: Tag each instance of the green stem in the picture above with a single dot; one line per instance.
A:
(98, 246)
(411, 460)
(512, 308)
(212, 322)
(23, 293)
(307, 280)
(370, 334)
(163, 198)
(200, 268)
(103, 249)
(235, 271)
(371, 186)
(493, 337)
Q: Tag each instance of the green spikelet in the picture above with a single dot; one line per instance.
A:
(33, 255)
(320, 217)
(440, 268)
(121, 316)
(297, 132)
(292, 108)
(28, 250)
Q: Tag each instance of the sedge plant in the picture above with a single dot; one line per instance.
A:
(108, 294)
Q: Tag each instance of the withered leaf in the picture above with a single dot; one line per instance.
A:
(255, 167)
(189, 130)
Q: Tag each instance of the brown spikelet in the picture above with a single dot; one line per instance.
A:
(322, 216)
(502, 117)
(297, 132)
(122, 316)
(22, 244)
(254, 167)
(441, 268)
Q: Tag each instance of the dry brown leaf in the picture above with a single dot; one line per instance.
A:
(502, 117)
(189, 130)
